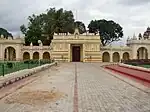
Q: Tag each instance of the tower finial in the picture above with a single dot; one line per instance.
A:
(134, 37)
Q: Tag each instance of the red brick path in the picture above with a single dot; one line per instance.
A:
(75, 91)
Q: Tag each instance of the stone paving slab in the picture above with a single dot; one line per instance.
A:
(129, 81)
(97, 91)
(101, 92)
(55, 79)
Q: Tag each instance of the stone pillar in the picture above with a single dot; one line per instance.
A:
(18, 54)
(69, 53)
(40, 55)
(148, 55)
(121, 56)
(1, 52)
(83, 52)
(31, 55)
(134, 54)
(111, 57)
(7, 54)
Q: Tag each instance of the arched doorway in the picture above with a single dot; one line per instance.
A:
(46, 55)
(116, 57)
(26, 56)
(142, 53)
(106, 57)
(126, 56)
(36, 55)
(10, 54)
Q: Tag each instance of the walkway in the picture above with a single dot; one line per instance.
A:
(76, 87)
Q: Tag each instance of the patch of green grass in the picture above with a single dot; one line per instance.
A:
(145, 66)
(5, 67)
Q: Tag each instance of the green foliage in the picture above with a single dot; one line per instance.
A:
(31, 61)
(35, 29)
(5, 33)
(80, 25)
(10, 65)
(42, 27)
(43, 61)
(109, 31)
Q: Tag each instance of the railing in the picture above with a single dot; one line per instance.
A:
(7, 67)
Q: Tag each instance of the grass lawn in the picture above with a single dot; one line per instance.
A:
(145, 66)
(16, 66)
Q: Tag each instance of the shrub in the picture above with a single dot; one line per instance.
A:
(26, 62)
(10, 65)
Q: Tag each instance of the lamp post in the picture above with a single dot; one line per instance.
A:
(39, 42)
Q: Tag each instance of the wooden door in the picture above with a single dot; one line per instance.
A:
(76, 53)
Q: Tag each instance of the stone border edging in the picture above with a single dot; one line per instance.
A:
(135, 67)
(16, 76)
(128, 74)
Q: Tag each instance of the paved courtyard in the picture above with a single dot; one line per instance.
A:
(76, 87)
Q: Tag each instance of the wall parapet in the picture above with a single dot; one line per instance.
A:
(142, 41)
(123, 48)
(12, 41)
(37, 48)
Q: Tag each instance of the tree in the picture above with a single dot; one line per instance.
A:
(44, 26)
(23, 29)
(109, 31)
(80, 25)
(5, 33)
(34, 31)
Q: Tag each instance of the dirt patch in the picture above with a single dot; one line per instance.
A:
(34, 97)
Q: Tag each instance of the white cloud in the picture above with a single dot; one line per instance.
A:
(132, 15)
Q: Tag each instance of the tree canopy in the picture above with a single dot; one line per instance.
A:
(43, 26)
(80, 25)
(5, 33)
(109, 31)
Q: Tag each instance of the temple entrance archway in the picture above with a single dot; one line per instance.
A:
(26, 56)
(142, 53)
(106, 57)
(116, 57)
(10, 54)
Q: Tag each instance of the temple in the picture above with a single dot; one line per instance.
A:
(76, 47)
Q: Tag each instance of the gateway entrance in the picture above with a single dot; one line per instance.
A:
(76, 56)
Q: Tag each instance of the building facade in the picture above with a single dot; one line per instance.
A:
(76, 48)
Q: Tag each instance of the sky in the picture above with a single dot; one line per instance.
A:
(132, 15)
